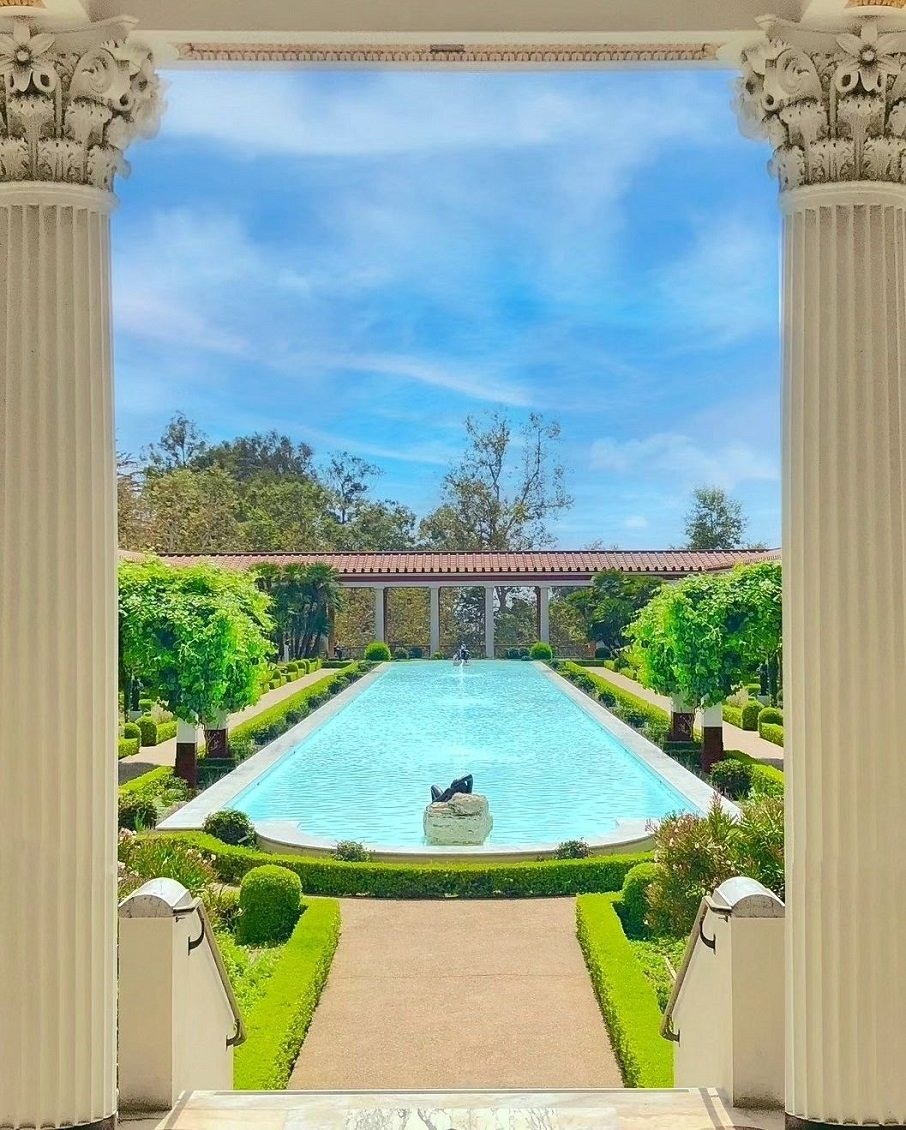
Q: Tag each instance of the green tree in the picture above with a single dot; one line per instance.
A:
(191, 512)
(198, 638)
(181, 444)
(504, 491)
(610, 604)
(306, 601)
(249, 457)
(714, 520)
(348, 479)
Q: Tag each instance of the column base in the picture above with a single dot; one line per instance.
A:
(108, 1123)
(794, 1122)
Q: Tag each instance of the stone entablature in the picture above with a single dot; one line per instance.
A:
(71, 101)
(831, 103)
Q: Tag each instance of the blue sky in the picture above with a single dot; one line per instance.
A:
(361, 259)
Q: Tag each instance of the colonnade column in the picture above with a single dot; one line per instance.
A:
(834, 106)
(73, 101)
(489, 621)
(544, 628)
(380, 606)
(434, 594)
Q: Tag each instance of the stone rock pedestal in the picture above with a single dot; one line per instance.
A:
(464, 819)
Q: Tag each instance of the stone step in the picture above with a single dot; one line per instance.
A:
(463, 1110)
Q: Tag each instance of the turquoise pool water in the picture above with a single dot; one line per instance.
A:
(549, 770)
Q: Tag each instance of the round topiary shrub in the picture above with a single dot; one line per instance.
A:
(146, 704)
(750, 712)
(733, 778)
(541, 650)
(230, 826)
(771, 715)
(132, 730)
(600, 653)
(351, 851)
(438, 655)
(377, 651)
(415, 652)
(572, 849)
(137, 812)
(400, 653)
(512, 653)
(634, 897)
(147, 729)
(270, 901)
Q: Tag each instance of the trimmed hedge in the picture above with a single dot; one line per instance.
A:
(132, 730)
(274, 721)
(166, 731)
(766, 779)
(627, 998)
(322, 875)
(634, 710)
(147, 782)
(771, 732)
(541, 650)
(771, 714)
(278, 1021)
(634, 896)
(126, 747)
(733, 715)
(377, 651)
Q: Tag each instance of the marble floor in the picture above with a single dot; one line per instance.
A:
(463, 1110)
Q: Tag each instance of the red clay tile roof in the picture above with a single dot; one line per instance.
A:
(551, 566)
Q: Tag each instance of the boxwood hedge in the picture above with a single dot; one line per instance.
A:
(626, 996)
(322, 875)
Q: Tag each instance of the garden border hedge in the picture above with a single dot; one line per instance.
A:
(626, 996)
(626, 698)
(322, 875)
(278, 1021)
(765, 778)
(126, 747)
(146, 781)
(771, 732)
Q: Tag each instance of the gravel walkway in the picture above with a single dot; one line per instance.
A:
(454, 995)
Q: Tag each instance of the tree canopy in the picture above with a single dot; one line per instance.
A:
(714, 520)
(610, 604)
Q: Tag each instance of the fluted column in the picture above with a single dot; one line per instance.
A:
(834, 105)
(71, 103)
(379, 613)
(544, 613)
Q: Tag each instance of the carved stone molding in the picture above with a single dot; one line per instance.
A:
(833, 105)
(441, 53)
(72, 101)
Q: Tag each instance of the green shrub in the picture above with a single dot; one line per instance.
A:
(132, 730)
(770, 731)
(623, 703)
(148, 729)
(325, 876)
(438, 655)
(634, 897)
(351, 851)
(512, 653)
(137, 812)
(166, 731)
(162, 857)
(771, 714)
(278, 1020)
(230, 826)
(766, 779)
(541, 650)
(377, 651)
(750, 713)
(733, 715)
(600, 653)
(400, 653)
(732, 778)
(524, 653)
(270, 902)
(415, 652)
(146, 704)
(758, 842)
(126, 747)
(627, 999)
(572, 849)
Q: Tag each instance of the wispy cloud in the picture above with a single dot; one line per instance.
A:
(683, 461)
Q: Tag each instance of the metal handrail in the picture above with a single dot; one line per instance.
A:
(207, 934)
(696, 935)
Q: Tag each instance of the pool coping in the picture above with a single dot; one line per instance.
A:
(286, 836)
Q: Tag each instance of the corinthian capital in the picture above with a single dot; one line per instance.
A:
(832, 103)
(71, 101)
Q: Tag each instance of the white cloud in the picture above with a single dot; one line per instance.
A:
(685, 462)
(724, 287)
(636, 522)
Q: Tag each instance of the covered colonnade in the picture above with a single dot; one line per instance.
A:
(824, 82)
(541, 570)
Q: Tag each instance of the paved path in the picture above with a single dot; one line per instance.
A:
(734, 738)
(489, 994)
(149, 757)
